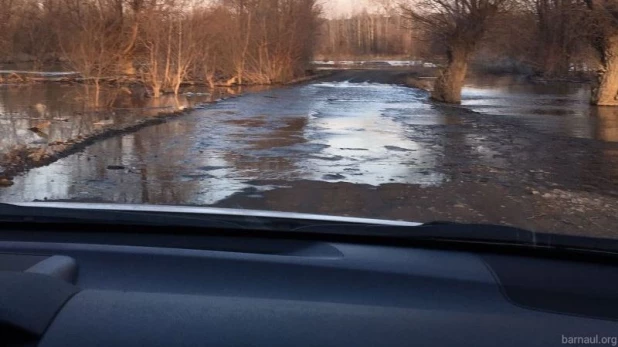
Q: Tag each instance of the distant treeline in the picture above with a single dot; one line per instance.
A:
(365, 34)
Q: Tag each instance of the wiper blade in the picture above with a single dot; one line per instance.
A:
(188, 216)
(329, 229)
(486, 234)
(513, 235)
(14, 214)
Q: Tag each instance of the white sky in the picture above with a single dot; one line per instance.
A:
(343, 7)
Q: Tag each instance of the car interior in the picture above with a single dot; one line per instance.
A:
(122, 284)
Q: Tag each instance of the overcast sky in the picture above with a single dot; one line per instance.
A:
(337, 7)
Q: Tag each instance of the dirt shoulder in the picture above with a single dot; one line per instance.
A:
(543, 210)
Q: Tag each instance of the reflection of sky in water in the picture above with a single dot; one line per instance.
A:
(557, 108)
(331, 131)
(63, 112)
(339, 132)
(364, 127)
(357, 133)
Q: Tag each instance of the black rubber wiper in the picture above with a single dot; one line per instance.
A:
(277, 227)
(17, 214)
(479, 234)
(501, 234)
(179, 216)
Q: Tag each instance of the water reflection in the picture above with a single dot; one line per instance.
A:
(607, 123)
(35, 115)
(370, 136)
(359, 133)
(319, 132)
(607, 130)
(554, 107)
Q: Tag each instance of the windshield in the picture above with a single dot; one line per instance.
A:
(494, 111)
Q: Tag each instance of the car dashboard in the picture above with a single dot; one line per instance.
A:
(104, 288)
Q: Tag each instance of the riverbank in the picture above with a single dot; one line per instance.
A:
(16, 77)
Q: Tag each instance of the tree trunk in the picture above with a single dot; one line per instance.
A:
(127, 66)
(177, 84)
(156, 91)
(607, 129)
(450, 82)
(210, 79)
(605, 85)
(127, 58)
(97, 92)
(555, 61)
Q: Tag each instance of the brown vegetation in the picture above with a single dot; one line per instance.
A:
(458, 25)
(552, 38)
(604, 38)
(164, 43)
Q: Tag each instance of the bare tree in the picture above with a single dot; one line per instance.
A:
(603, 16)
(381, 34)
(560, 28)
(185, 47)
(283, 40)
(170, 38)
(6, 21)
(156, 41)
(135, 19)
(459, 25)
(89, 39)
(208, 44)
(166, 41)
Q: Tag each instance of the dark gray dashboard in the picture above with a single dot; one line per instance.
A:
(306, 293)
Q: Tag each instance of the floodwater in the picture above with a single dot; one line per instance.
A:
(558, 108)
(62, 112)
(361, 133)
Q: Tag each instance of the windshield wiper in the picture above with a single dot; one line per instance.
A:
(479, 234)
(276, 227)
(15, 214)
(178, 216)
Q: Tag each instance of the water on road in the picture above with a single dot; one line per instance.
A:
(337, 132)
(322, 131)
(556, 108)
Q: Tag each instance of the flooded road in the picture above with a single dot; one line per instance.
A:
(349, 146)
(331, 131)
